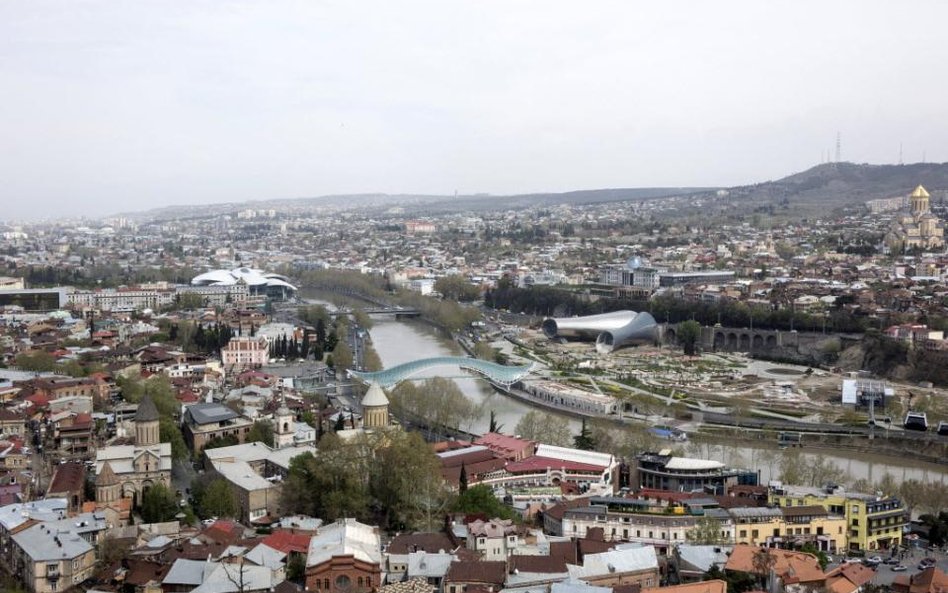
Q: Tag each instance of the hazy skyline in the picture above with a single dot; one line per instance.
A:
(118, 106)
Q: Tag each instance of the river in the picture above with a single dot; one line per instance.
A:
(401, 341)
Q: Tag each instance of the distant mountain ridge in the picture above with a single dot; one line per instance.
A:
(834, 185)
(821, 188)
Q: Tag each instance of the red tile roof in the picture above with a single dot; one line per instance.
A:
(287, 541)
(537, 464)
(503, 445)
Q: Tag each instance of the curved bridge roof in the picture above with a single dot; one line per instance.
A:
(388, 378)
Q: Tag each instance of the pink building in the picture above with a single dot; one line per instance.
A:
(245, 352)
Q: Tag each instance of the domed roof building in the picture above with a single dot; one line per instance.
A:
(918, 228)
(258, 281)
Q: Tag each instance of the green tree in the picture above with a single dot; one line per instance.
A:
(481, 499)
(462, 479)
(484, 351)
(401, 471)
(707, 531)
(169, 432)
(260, 432)
(188, 300)
(544, 427)
(296, 567)
(342, 356)
(158, 504)
(494, 427)
(689, 332)
(36, 362)
(457, 288)
(821, 556)
(793, 467)
(584, 439)
(362, 319)
(221, 441)
(218, 500)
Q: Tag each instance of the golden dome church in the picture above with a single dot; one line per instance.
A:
(917, 229)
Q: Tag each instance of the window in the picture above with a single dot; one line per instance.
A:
(743, 533)
(343, 582)
(359, 581)
(754, 533)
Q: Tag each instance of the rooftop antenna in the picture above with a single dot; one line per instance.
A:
(900, 154)
(838, 151)
(923, 156)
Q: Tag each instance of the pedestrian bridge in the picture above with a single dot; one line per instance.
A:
(497, 373)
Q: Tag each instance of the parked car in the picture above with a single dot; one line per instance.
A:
(898, 568)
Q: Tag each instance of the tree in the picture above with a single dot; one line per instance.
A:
(481, 499)
(484, 350)
(793, 467)
(457, 288)
(821, 556)
(399, 472)
(296, 567)
(111, 550)
(706, 532)
(544, 427)
(221, 441)
(260, 432)
(462, 479)
(35, 362)
(188, 300)
(584, 439)
(218, 500)
(158, 504)
(763, 561)
(342, 356)
(168, 432)
(689, 332)
(494, 427)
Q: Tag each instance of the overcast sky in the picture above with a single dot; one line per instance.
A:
(119, 105)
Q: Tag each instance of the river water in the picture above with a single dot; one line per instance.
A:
(401, 341)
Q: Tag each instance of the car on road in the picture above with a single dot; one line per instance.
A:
(874, 559)
(898, 568)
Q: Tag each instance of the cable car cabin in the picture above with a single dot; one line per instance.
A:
(916, 421)
(789, 439)
(943, 428)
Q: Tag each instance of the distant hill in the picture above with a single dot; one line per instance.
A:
(819, 190)
(835, 185)
(416, 203)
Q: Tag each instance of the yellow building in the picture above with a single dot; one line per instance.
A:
(917, 229)
(790, 527)
(872, 522)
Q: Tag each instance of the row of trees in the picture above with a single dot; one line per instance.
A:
(437, 402)
(550, 301)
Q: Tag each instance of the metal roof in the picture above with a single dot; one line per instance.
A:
(388, 378)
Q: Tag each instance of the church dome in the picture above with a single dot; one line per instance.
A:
(374, 396)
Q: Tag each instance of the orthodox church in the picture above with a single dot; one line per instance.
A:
(918, 228)
(127, 471)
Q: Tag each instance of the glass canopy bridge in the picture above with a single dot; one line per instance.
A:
(496, 373)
